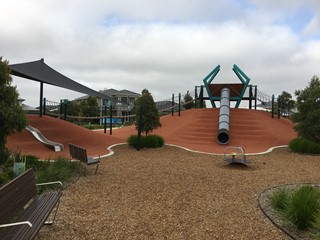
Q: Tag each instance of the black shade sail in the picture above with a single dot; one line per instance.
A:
(41, 72)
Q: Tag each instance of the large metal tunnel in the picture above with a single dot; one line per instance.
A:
(224, 123)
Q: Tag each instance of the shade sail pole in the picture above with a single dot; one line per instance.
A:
(41, 97)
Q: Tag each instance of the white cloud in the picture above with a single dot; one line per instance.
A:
(165, 46)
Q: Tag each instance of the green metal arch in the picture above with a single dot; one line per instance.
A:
(240, 74)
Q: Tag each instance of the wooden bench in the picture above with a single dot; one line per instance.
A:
(22, 211)
(80, 154)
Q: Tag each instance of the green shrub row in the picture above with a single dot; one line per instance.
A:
(303, 145)
(150, 141)
(301, 207)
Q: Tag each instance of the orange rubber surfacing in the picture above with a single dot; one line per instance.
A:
(195, 129)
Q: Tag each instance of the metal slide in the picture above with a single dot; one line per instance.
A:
(224, 117)
(57, 147)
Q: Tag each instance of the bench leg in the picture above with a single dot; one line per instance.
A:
(95, 173)
(50, 222)
(85, 171)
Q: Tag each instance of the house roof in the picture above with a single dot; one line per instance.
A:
(127, 92)
(113, 92)
(41, 72)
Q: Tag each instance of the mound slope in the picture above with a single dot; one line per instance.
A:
(195, 129)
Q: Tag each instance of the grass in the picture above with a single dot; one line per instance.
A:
(301, 207)
(279, 199)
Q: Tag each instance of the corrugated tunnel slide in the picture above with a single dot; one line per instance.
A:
(224, 117)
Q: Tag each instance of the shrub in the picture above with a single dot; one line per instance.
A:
(303, 205)
(279, 199)
(46, 171)
(300, 207)
(303, 145)
(153, 141)
(150, 141)
(59, 170)
(133, 141)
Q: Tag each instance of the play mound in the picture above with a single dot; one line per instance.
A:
(195, 129)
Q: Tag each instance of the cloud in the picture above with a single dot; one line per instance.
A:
(164, 46)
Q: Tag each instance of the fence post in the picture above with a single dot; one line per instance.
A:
(278, 101)
(105, 120)
(255, 97)
(110, 118)
(250, 96)
(195, 96)
(179, 103)
(65, 109)
(44, 106)
(140, 128)
(172, 105)
(61, 106)
(201, 96)
(272, 106)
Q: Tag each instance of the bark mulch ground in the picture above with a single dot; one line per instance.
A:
(170, 193)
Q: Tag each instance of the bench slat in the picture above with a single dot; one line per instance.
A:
(16, 194)
(37, 213)
(19, 202)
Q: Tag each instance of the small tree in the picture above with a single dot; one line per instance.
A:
(286, 103)
(308, 115)
(150, 115)
(188, 101)
(12, 117)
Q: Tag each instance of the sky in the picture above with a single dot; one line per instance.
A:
(166, 46)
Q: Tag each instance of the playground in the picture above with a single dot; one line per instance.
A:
(181, 191)
(206, 130)
(170, 193)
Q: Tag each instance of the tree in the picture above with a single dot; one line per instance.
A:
(198, 104)
(308, 115)
(150, 115)
(12, 117)
(73, 108)
(286, 103)
(90, 107)
(188, 101)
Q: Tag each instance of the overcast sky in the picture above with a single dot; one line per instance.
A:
(166, 46)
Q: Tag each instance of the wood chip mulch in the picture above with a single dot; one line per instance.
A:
(170, 193)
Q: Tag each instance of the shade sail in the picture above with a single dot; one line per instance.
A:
(41, 72)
